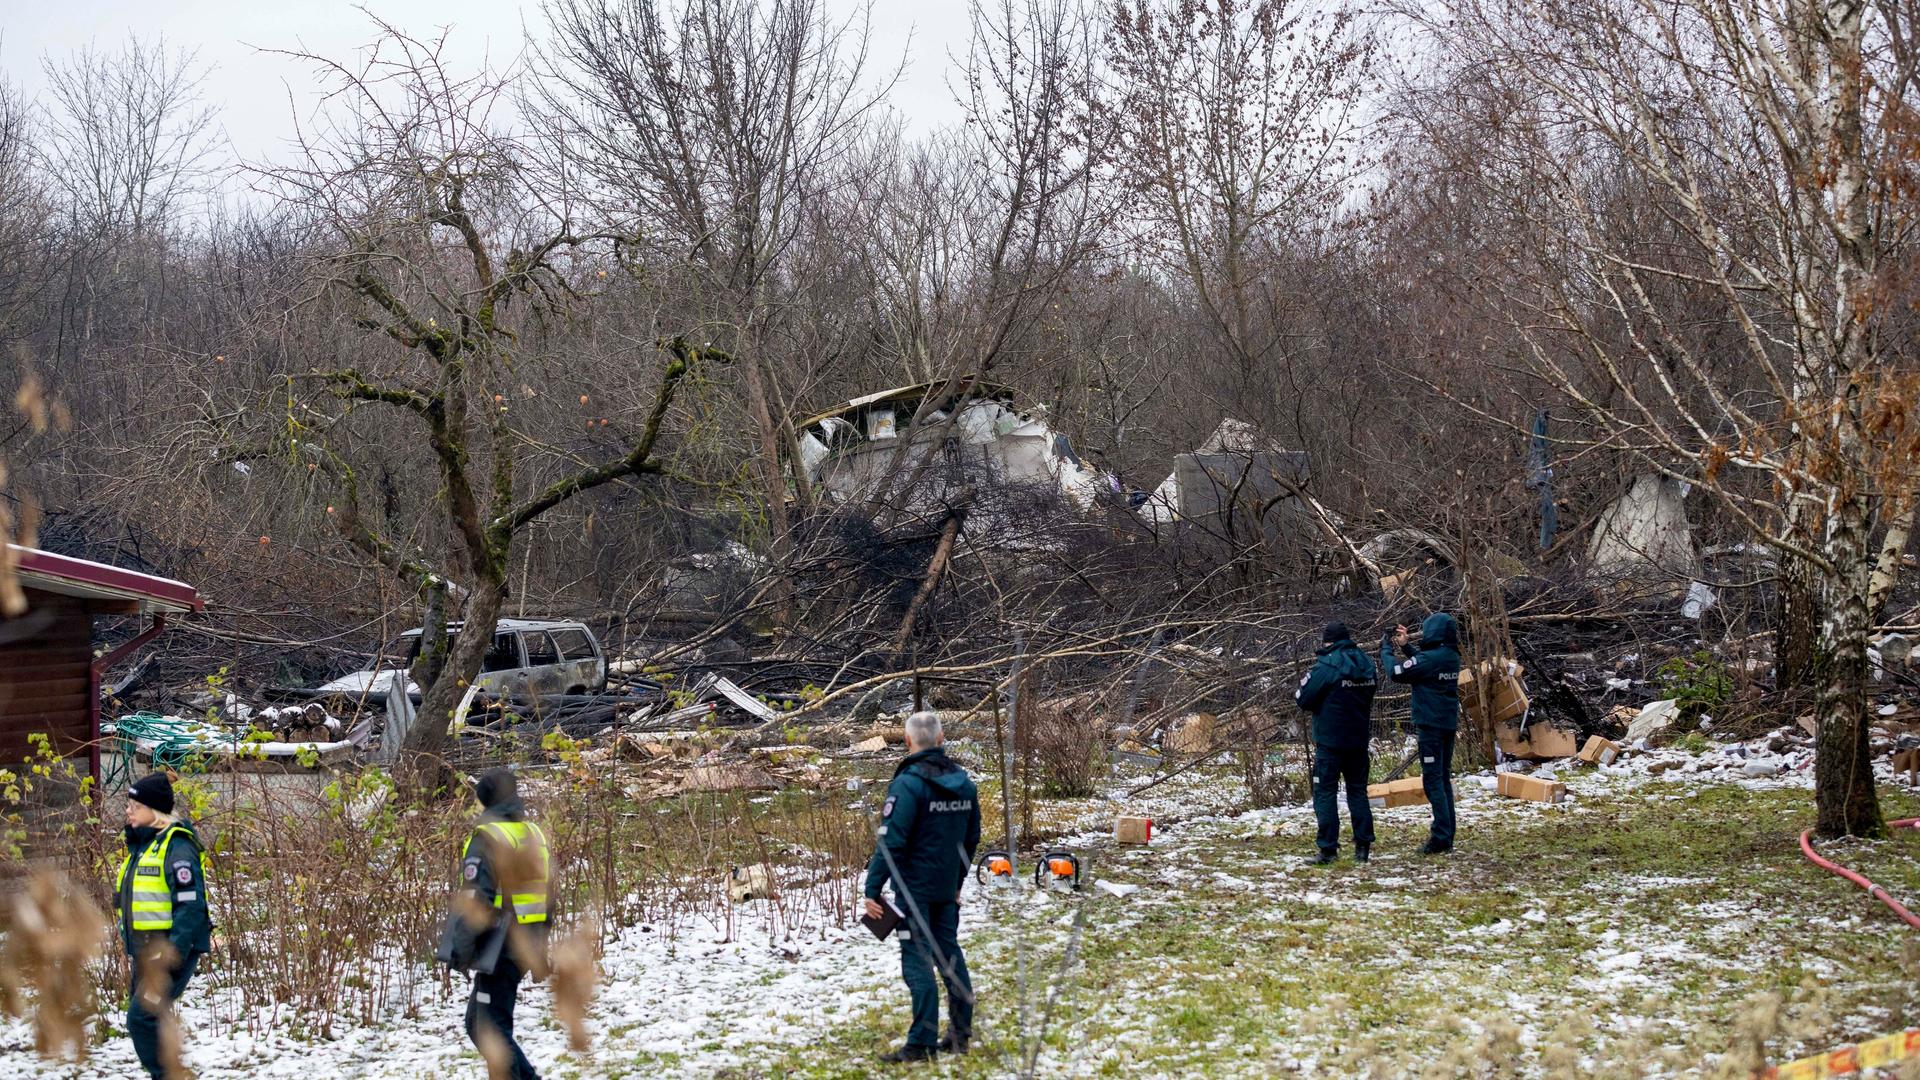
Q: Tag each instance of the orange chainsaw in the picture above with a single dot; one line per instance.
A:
(1058, 870)
(996, 868)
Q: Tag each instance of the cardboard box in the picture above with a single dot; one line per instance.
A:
(1133, 830)
(753, 882)
(1394, 793)
(1191, 734)
(1540, 741)
(1505, 694)
(1531, 788)
(1599, 750)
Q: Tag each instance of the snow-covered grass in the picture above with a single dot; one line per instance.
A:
(1633, 931)
(1626, 932)
(679, 1006)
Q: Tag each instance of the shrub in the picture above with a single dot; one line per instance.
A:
(1068, 743)
(1698, 683)
(327, 905)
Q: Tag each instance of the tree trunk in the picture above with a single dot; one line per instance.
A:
(1893, 549)
(432, 658)
(936, 567)
(1797, 632)
(423, 766)
(1843, 764)
(772, 478)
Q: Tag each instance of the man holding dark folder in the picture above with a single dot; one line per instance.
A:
(929, 830)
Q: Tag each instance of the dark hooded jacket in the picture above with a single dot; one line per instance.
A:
(929, 831)
(1339, 693)
(1432, 670)
(192, 932)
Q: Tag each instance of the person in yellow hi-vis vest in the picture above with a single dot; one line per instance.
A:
(160, 894)
(499, 925)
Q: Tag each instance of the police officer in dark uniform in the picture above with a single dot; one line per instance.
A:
(929, 830)
(499, 926)
(161, 897)
(1339, 693)
(1433, 671)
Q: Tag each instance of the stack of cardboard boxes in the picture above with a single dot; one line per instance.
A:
(1491, 691)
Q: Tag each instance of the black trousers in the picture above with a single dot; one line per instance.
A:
(926, 964)
(1436, 780)
(1330, 767)
(143, 1025)
(490, 1008)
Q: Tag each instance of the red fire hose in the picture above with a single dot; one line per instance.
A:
(1875, 891)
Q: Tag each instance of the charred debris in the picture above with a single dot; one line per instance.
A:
(954, 551)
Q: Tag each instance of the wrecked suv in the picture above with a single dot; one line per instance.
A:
(529, 658)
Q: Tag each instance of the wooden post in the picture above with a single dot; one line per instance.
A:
(1013, 735)
(1006, 786)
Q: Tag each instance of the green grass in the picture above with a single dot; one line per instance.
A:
(1237, 959)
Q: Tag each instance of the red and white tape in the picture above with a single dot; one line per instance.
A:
(1849, 1060)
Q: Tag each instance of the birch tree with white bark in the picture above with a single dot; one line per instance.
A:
(1698, 206)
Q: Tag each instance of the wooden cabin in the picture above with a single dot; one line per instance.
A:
(49, 674)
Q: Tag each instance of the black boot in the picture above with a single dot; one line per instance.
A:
(908, 1053)
(1432, 848)
(1360, 854)
(951, 1045)
(1325, 858)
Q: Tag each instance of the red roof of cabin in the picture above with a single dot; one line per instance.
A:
(52, 573)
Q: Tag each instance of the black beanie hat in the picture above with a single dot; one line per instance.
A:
(153, 791)
(494, 787)
(1335, 631)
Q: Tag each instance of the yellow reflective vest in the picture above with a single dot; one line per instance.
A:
(530, 860)
(150, 905)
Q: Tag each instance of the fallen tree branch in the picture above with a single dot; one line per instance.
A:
(936, 567)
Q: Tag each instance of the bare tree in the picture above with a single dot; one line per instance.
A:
(1030, 91)
(125, 139)
(1235, 129)
(987, 228)
(1697, 203)
(438, 246)
(707, 131)
(127, 135)
(26, 217)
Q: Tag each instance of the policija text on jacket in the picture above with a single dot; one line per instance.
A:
(929, 832)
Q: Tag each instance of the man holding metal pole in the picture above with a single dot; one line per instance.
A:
(929, 831)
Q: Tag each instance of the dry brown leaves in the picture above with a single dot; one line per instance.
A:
(493, 1048)
(57, 931)
(157, 963)
(576, 977)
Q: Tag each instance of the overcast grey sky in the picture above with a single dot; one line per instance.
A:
(251, 88)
